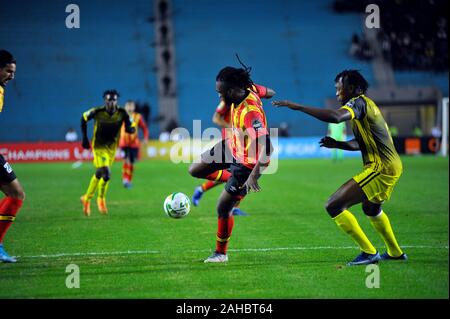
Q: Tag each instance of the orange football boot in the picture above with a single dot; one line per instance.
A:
(86, 206)
(101, 204)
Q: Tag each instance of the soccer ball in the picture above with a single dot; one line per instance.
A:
(177, 205)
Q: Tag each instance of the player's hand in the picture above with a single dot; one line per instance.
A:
(327, 142)
(252, 184)
(85, 143)
(287, 103)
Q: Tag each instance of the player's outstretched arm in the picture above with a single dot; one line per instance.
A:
(330, 142)
(325, 115)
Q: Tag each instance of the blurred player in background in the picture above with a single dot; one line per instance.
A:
(108, 120)
(9, 184)
(245, 154)
(382, 166)
(222, 117)
(130, 143)
(338, 132)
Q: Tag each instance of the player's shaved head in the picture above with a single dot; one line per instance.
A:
(6, 58)
(111, 93)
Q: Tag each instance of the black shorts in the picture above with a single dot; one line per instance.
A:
(131, 153)
(6, 172)
(220, 156)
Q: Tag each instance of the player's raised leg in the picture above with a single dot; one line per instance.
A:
(9, 207)
(337, 206)
(382, 225)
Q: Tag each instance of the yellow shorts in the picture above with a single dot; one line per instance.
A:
(377, 186)
(103, 157)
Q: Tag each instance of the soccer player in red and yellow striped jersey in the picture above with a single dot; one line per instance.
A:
(222, 117)
(9, 184)
(246, 153)
(130, 143)
(382, 166)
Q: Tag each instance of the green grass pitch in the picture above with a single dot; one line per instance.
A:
(287, 248)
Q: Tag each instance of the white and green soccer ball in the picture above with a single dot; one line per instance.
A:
(177, 205)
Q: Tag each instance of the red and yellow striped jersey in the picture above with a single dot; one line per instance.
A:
(225, 111)
(132, 140)
(248, 123)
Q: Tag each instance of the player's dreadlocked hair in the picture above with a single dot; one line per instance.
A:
(111, 92)
(239, 77)
(6, 58)
(353, 77)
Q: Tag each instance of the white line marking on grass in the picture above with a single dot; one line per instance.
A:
(148, 252)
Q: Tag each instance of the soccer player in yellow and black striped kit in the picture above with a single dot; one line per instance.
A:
(108, 121)
(382, 166)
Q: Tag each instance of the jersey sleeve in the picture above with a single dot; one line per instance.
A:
(356, 107)
(222, 108)
(254, 125)
(260, 90)
(89, 114)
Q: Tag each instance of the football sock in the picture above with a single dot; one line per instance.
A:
(220, 175)
(224, 228)
(383, 227)
(125, 171)
(8, 209)
(130, 171)
(92, 188)
(348, 223)
(102, 188)
(208, 185)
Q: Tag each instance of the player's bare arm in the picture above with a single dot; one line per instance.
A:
(252, 181)
(330, 142)
(325, 115)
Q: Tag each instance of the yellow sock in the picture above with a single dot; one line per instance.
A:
(102, 188)
(348, 223)
(383, 227)
(92, 187)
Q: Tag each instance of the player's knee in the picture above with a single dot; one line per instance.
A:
(18, 193)
(333, 208)
(194, 171)
(223, 210)
(371, 210)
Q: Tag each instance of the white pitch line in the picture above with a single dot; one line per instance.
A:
(147, 252)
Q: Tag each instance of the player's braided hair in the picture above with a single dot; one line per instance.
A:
(353, 77)
(6, 58)
(239, 77)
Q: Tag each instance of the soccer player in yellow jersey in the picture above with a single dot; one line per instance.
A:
(382, 166)
(246, 153)
(108, 121)
(9, 184)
